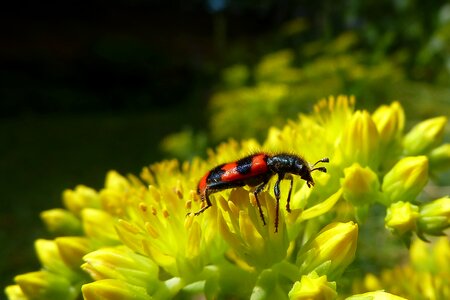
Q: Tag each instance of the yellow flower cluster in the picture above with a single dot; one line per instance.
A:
(425, 276)
(136, 238)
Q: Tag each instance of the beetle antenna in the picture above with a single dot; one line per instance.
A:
(321, 169)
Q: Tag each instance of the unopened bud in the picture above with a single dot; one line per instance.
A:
(406, 179)
(312, 287)
(424, 136)
(401, 217)
(330, 251)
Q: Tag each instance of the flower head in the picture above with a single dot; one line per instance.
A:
(242, 228)
(137, 237)
(424, 275)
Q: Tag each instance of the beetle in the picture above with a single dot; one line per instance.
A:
(256, 170)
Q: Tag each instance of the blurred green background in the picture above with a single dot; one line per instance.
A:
(85, 88)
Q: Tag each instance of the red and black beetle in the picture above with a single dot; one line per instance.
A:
(256, 170)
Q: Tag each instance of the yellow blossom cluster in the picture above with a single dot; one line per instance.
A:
(137, 239)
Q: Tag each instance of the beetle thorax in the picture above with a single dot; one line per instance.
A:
(287, 163)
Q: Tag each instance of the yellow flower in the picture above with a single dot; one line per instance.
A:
(137, 237)
(424, 276)
(154, 222)
(242, 229)
(330, 118)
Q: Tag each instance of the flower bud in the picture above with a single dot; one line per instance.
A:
(360, 185)
(311, 287)
(330, 251)
(80, 198)
(440, 158)
(61, 222)
(372, 283)
(401, 217)
(115, 181)
(14, 292)
(99, 224)
(441, 254)
(424, 136)
(113, 289)
(45, 285)
(435, 216)
(405, 180)
(72, 249)
(50, 258)
(360, 140)
(377, 295)
(419, 255)
(120, 263)
(390, 121)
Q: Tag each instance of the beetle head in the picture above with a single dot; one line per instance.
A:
(306, 175)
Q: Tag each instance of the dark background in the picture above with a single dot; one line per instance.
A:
(90, 87)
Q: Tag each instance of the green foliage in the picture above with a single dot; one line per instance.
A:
(290, 80)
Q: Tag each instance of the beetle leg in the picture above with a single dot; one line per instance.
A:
(288, 207)
(277, 193)
(256, 192)
(208, 203)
